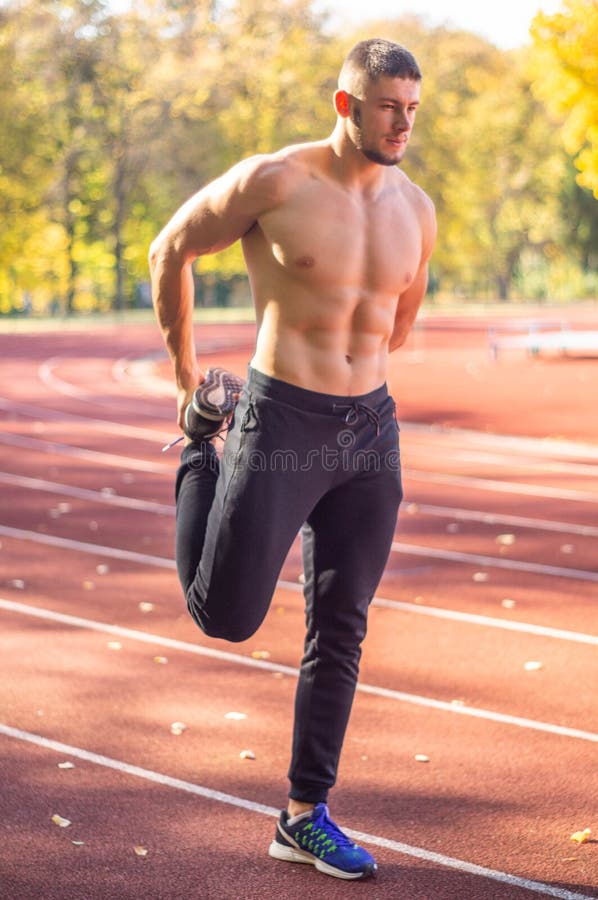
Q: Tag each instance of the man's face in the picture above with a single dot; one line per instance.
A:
(381, 121)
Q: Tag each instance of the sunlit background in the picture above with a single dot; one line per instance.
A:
(113, 113)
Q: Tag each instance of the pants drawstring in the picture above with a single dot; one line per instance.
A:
(352, 411)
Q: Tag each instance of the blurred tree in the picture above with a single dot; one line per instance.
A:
(110, 119)
(566, 78)
(276, 74)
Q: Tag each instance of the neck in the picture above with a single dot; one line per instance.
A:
(349, 164)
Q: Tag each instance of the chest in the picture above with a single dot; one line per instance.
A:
(324, 236)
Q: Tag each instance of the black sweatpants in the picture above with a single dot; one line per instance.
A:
(295, 460)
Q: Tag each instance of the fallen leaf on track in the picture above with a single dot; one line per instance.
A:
(508, 604)
(506, 540)
(237, 716)
(580, 837)
(62, 823)
(114, 645)
(146, 607)
(533, 665)
(421, 757)
(66, 765)
(140, 850)
(247, 754)
(480, 576)
(178, 727)
(161, 660)
(261, 654)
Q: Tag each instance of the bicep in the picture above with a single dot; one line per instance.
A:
(211, 220)
(220, 213)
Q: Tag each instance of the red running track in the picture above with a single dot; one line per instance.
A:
(481, 652)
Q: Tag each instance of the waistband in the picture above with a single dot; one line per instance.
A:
(314, 401)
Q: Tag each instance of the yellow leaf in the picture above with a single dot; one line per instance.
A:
(62, 823)
(580, 837)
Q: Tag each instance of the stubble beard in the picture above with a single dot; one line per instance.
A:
(371, 153)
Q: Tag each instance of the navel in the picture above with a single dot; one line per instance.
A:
(305, 262)
(348, 358)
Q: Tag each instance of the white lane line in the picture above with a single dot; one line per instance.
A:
(490, 622)
(51, 540)
(67, 490)
(471, 559)
(490, 518)
(477, 559)
(485, 457)
(472, 619)
(106, 426)
(509, 443)
(198, 790)
(165, 563)
(198, 650)
(95, 456)
(46, 375)
(487, 484)
(494, 485)
(443, 512)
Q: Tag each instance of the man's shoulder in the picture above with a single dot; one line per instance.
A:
(421, 202)
(276, 175)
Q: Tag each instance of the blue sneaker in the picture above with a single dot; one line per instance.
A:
(213, 402)
(316, 839)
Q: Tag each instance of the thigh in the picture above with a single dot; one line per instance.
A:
(263, 496)
(346, 543)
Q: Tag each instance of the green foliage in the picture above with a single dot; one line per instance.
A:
(109, 120)
(566, 77)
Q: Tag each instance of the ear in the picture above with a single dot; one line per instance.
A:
(342, 104)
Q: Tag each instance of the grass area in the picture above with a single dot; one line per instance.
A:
(84, 321)
(233, 315)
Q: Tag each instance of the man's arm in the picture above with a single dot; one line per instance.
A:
(411, 299)
(214, 218)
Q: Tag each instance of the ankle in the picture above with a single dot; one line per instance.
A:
(297, 807)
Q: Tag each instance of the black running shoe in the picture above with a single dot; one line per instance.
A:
(213, 402)
(316, 839)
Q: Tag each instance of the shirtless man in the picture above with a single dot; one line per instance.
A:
(336, 242)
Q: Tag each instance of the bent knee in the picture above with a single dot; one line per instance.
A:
(234, 632)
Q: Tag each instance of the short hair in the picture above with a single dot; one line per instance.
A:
(374, 58)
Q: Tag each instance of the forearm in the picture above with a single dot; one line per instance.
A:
(402, 327)
(173, 296)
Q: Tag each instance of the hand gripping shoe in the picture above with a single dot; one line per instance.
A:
(213, 402)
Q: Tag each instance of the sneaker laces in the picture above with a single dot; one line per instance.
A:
(321, 835)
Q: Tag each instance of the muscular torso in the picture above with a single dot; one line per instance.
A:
(327, 268)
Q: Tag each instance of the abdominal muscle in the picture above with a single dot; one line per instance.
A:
(341, 351)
